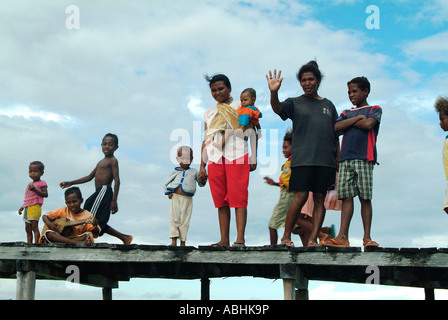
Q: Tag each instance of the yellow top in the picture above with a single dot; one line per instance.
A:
(286, 174)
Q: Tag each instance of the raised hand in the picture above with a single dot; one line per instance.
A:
(274, 80)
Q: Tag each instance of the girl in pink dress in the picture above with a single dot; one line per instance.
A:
(35, 193)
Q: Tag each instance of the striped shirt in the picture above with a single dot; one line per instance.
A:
(358, 143)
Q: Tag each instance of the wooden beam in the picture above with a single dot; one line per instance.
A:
(104, 265)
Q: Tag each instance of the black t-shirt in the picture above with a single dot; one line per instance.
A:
(314, 139)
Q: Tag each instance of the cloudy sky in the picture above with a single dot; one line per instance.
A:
(71, 71)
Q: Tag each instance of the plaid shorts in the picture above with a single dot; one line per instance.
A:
(355, 179)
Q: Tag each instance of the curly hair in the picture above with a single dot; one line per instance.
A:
(441, 105)
(288, 135)
(39, 165)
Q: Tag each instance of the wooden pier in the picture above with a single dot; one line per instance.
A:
(105, 265)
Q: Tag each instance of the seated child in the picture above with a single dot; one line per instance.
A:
(81, 233)
(180, 188)
(248, 113)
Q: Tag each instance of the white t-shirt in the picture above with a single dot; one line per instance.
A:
(235, 147)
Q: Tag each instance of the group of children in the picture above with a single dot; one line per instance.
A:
(60, 224)
(359, 126)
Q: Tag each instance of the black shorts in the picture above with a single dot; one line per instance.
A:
(98, 204)
(316, 179)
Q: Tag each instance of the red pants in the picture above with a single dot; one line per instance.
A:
(229, 181)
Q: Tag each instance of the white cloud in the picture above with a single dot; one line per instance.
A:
(329, 291)
(434, 11)
(29, 113)
(195, 106)
(431, 49)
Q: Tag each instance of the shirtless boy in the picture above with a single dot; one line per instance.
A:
(104, 200)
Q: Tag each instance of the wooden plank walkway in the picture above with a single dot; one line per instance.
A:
(105, 265)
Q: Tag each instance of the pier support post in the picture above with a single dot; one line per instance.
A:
(301, 285)
(205, 289)
(26, 280)
(288, 275)
(107, 293)
(293, 278)
(429, 294)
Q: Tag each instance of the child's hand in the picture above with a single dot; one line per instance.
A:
(114, 206)
(170, 196)
(31, 187)
(271, 182)
(253, 162)
(65, 184)
(202, 174)
(20, 211)
(253, 167)
(203, 180)
(96, 231)
(52, 226)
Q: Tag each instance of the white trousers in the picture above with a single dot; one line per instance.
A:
(180, 214)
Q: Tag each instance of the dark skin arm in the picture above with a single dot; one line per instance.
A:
(366, 124)
(96, 230)
(360, 122)
(66, 184)
(113, 162)
(202, 171)
(49, 223)
(271, 182)
(113, 204)
(254, 150)
(274, 84)
(41, 193)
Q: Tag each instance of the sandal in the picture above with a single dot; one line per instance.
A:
(238, 245)
(370, 243)
(334, 243)
(288, 243)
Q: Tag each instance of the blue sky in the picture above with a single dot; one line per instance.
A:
(136, 69)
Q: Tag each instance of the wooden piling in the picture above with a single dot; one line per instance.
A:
(26, 280)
